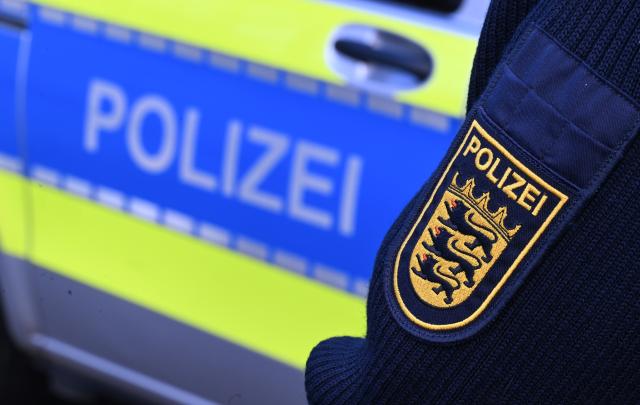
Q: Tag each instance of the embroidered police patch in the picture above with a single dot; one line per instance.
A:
(487, 211)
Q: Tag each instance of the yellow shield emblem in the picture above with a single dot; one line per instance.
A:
(479, 221)
(461, 242)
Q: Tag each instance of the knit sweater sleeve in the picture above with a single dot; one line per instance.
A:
(557, 101)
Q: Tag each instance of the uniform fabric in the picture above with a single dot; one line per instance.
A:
(501, 23)
(570, 334)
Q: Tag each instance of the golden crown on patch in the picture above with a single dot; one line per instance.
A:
(475, 229)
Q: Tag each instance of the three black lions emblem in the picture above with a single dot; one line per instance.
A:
(459, 245)
(463, 257)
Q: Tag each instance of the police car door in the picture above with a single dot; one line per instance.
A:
(209, 182)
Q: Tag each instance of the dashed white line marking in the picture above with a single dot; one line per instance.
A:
(290, 261)
(45, 175)
(361, 287)
(187, 52)
(214, 234)
(343, 95)
(301, 84)
(263, 73)
(118, 34)
(152, 43)
(10, 163)
(178, 221)
(225, 62)
(51, 16)
(251, 248)
(337, 93)
(385, 106)
(110, 197)
(84, 25)
(331, 276)
(430, 119)
(144, 209)
(77, 186)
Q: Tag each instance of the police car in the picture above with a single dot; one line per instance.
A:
(193, 192)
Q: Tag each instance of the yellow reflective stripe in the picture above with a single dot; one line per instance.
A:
(289, 34)
(249, 302)
(13, 236)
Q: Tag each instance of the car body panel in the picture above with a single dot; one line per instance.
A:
(293, 35)
(229, 198)
(13, 233)
(147, 357)
(228, 294)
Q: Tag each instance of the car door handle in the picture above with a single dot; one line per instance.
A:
(12, 22)
(378, 60)
(388, 53)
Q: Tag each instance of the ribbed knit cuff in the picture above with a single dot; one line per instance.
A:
(332, 369)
